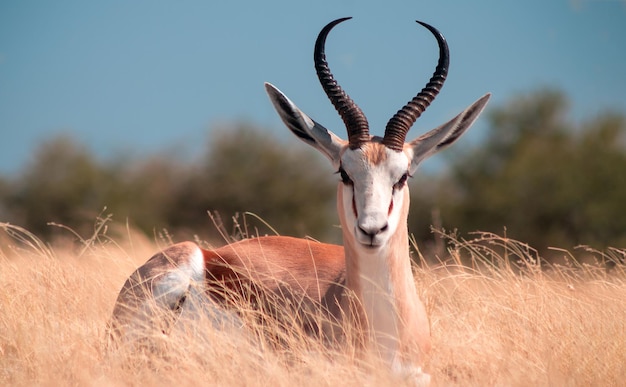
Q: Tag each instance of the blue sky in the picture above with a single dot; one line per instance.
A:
(140, 77)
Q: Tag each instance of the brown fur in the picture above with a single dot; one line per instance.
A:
(290, 279)
(374, 152)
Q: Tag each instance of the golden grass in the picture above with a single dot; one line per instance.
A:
(497, 323)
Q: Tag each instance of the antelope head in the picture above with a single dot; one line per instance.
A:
(373, 194)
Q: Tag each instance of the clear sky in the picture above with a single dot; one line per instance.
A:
(144, 76)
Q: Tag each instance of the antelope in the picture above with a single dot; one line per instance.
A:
(368, 281)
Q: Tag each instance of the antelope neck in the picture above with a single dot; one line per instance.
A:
(383, 284)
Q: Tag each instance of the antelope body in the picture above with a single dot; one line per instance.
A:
(367, 281)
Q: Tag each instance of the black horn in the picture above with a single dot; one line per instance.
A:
(351, 114)
(399, 125)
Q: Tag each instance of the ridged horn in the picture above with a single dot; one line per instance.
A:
(399, 125)
(352, 116)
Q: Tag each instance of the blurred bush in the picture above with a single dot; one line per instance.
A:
(537, 175)
(248, 170)
(244, 169)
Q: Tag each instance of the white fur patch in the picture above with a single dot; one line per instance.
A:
(380, 310)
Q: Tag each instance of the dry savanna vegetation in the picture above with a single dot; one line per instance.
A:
(497, 319)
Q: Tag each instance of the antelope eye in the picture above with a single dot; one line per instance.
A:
(401, 182)
(344, 177)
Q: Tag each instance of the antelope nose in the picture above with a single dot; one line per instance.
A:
(373, 230)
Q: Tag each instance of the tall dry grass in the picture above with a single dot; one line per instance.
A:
(497, 320)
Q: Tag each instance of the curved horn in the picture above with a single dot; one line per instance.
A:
(351, 114)
(399, 125)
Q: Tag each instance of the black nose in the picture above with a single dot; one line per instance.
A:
(373, 231)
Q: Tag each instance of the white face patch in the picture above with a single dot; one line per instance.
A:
(374, 196)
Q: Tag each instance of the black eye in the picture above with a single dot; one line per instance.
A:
(344, 176)
(401, 182)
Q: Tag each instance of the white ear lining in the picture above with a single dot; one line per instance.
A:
(445, 135)
(304, 127)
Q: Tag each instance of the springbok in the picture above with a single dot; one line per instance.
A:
(368, 281)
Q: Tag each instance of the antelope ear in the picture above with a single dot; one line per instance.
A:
(446, 134)
(303, 126)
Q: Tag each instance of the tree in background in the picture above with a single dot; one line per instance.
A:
(244, 170)
(62, 184)
(544, 179)
(248, 170)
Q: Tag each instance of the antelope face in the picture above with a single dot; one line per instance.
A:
(372, 196)
(372, 192)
